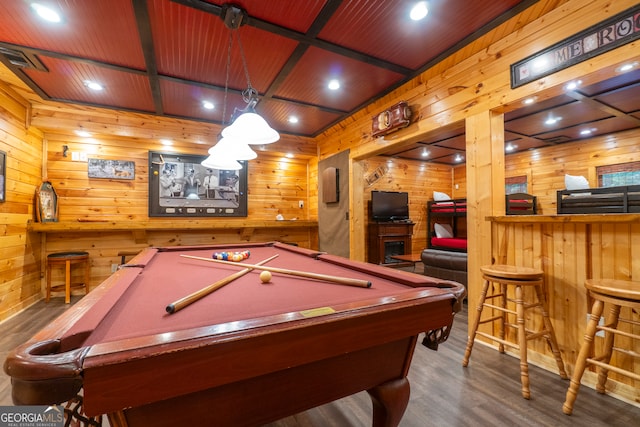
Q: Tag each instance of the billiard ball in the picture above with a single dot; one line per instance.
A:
(265, 276)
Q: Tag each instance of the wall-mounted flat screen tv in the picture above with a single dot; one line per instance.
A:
(389, 206)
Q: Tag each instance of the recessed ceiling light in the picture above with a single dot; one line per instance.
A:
(419, 11)
(208, 105)
(293, 119)
(510, 147)
(82, 133)
(425, 152)
(46, 13)
(529, 100)
(627, 67)
(458, 157)
(552, 120)
(93, 85)
(167, 142)
(573, 85)
(289, 155)
(334, 84)
(586, 132)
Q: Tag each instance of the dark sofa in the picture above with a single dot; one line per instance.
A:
(446, 265)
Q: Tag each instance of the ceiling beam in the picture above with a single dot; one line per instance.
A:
(602, 106)
(146, 40)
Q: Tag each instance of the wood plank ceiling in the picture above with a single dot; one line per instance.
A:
(165, 57)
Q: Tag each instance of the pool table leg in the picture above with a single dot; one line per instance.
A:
(390, 400)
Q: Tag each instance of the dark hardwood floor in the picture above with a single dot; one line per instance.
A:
(443, 393)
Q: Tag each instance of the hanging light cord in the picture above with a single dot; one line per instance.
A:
(249, 94)
(226, 81)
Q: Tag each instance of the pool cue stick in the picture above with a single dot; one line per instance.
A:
(189, 299)
(325, 277)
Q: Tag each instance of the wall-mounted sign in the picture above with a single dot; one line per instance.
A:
(605, 36)
(374, 176)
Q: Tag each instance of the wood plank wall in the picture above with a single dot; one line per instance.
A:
(275, 185)
(545, 168)
(419, 179)
(19, 268)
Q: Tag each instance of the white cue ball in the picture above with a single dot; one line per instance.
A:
(265, 276)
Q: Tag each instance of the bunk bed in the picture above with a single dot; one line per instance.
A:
(443, 218)
(621, 199)
(446, 254)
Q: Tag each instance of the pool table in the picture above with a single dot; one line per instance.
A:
(248, 353)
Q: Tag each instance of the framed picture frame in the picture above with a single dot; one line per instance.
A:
(46, 203)
(111, 169)
(3, 175)
(179, 186)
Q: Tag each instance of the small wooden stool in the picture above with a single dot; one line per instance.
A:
(519, 277)
(619, 293)
(67, 259)
(124, 254)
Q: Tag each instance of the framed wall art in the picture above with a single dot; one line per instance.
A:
(179, 186)
(111, 169)
(3, 175)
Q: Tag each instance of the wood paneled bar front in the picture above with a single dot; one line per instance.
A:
(105, 239)
(570, 249)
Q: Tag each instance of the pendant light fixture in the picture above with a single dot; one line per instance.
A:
(221, 163)
(247, 127)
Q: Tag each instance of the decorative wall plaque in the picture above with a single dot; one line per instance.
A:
(46, 203)
(396, 117)
(605, 36)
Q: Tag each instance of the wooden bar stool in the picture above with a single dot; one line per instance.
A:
(67, 259)
(618, 293)
(519, 277)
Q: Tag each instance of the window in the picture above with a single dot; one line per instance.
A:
(620, 174)
(515, 184)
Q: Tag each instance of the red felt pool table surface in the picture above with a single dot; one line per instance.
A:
(246, 354)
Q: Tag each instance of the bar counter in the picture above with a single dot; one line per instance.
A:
(570, 249)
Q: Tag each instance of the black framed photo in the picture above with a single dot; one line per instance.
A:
(3, 175)
(179, 186)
